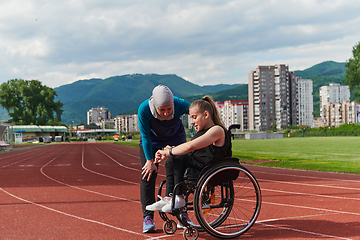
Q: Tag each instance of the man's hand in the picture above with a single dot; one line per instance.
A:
(148, 169)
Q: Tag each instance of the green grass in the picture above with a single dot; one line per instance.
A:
(330, 154)
(126, 143)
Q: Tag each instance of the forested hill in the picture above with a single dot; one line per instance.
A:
(122, 94)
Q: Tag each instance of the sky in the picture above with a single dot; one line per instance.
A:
(206, 42)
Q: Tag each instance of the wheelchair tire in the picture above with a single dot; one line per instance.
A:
(190, 233)
(169, 227)
(228, 209)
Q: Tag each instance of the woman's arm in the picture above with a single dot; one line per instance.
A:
(214, 135)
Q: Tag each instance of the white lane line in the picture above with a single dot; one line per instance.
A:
(104, 175)
(14, 155)
(311, 208)
(310, 194)
(305, 176)
(74, 216)
(308, 184)
(302, 231)
(22, 160)
(131, 163)
(82, 189)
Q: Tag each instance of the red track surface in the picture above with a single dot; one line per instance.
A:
(91, 191)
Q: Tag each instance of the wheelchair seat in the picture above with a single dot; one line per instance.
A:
(191, 174)
(194, 174)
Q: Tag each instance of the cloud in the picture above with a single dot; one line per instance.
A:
(206, 42)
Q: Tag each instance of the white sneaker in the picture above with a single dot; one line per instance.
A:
(157, 206)
(179, 202)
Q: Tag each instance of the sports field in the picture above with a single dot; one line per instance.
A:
(333, 154)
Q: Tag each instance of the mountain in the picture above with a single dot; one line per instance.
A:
(236, 93)
(326, 68)
(122, 94)
(322, 74)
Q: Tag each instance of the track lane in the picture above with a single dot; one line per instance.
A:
(80, 187)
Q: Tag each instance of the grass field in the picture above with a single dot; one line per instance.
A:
(332, 154)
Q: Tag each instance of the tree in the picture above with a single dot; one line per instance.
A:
(30, 102)
(352, 75)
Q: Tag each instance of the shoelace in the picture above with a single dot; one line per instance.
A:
(161, 198)
(186, 217)
(148, 221)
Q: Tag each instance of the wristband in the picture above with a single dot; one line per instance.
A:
(170, 152)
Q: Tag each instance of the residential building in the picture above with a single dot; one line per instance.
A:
(334, 93)
(95, 115)
(336, 114)
(350, 112)
(106, 124)
(234, 112)
(273, 98)
(126, 123)
(305, 101)
(317, 122)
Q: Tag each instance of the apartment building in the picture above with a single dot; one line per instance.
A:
(234, 112)
(95, 115)
(106, 124)
(334, 93)
(336, 114)
(126, 123)
(305, 101)
(272, 98)
(350, 112)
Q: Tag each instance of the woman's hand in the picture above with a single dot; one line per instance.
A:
(161, 155)
(148, 169)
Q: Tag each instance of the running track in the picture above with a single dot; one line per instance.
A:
(91, 191)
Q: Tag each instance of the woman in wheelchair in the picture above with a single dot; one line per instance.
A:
(211, 142)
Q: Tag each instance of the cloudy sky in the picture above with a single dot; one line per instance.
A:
(204, 41)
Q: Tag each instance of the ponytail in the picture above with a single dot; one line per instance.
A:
(207, 104)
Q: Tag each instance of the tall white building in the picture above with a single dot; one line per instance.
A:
(334, 93)
(95, 115)
(305, 100)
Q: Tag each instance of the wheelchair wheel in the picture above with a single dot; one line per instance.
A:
(227, 209)
(169, 227)
(190, 234)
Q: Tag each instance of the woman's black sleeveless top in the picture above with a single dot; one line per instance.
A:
(211, 153)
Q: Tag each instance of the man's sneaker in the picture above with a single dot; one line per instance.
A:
(179, 225)
(148, 225)
(158, 205)
(179, 202)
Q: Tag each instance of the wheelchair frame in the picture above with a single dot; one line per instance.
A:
(219, 190)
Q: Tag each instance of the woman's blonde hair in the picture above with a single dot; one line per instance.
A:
(207, 104)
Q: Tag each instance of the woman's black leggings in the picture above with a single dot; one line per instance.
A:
(175, 169)
(147, 188)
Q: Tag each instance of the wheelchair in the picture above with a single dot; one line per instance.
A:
(225, 199)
